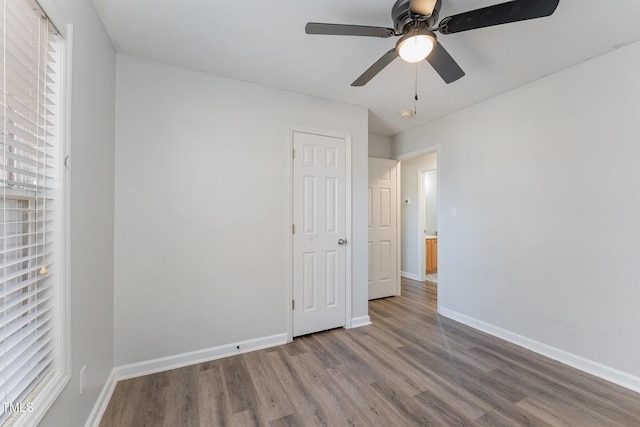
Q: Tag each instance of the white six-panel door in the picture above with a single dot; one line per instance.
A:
(319, 241)
(383, 277)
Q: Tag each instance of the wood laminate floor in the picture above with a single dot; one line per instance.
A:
(424, 293)
(411, 367)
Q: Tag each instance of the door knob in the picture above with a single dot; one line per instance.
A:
(342, 242)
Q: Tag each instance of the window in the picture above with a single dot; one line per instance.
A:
(32, 354)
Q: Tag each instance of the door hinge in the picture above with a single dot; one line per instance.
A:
(293, 229)
(293, 153)
(293, 304)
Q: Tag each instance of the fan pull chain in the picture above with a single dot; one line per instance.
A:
(415, 86)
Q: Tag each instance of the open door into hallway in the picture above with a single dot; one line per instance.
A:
(383, 277)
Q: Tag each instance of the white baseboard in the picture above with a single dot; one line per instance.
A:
(411, 276)
(191, 358)
(589, 366)
(103, 400)
(153, 366)
(356, 322)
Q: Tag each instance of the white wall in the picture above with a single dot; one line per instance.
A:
(431, 202)
(92, 198)
(201, 242)
(379, 146)
(546, 184)
(412, 234)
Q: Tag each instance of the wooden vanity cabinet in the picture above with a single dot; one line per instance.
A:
(431, 245)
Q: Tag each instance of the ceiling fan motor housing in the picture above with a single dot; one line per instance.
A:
(403, 18)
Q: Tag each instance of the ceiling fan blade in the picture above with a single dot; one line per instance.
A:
(503, 13)
(347, 30)
(444, 64)
(377, 66)
(422, 7)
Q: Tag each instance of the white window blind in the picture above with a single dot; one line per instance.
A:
(29, 211)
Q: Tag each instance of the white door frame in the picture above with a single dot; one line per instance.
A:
(348, 219)
(421, 249)
(422, 262)
(398, 228)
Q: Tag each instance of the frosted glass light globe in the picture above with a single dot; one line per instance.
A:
(416, 45)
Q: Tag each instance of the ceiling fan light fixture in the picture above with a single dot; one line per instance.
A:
(416, 45)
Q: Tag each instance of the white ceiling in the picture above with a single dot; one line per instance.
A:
(264, 42)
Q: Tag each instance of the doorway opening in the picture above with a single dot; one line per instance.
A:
(419, 225)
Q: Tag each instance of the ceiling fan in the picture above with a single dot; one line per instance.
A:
(416, 21)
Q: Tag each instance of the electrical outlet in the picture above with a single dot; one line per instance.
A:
(83, 378)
